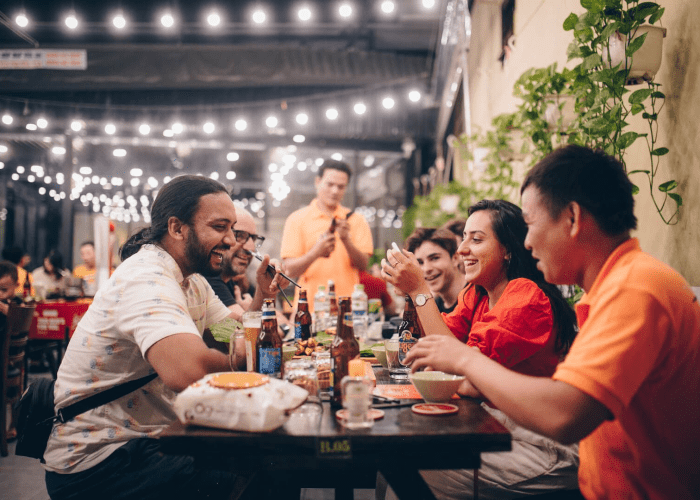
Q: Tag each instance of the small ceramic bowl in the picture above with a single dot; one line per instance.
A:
(380, 353)
(436, 387)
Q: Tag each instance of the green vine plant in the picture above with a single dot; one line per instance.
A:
(496, 181)
(600, 90)
(538, 89)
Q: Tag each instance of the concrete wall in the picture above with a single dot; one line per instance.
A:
(541, 40)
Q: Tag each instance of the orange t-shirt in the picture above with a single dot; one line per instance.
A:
(638, 353)
(301, 231)
(517, 333)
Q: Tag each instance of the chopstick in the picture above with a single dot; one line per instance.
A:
(271, 271)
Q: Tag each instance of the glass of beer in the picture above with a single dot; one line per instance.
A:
(252, 324)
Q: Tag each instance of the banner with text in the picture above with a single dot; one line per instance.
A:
(43, 59)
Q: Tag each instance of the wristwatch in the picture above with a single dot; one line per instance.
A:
(421, 299)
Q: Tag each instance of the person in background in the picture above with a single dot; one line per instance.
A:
(235, 264)
(87, 270)
(16, 255)
(49, 279)
(8, 284)
(316, 249)
(436, 251)
(375, 288)
(516, 319)
(629, 388)
(456, 227)
(148, 317)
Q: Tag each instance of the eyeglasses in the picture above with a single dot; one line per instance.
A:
(242, 237)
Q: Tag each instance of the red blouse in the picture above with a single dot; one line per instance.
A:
(517, 333)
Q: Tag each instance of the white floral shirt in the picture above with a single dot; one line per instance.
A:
(145, 300)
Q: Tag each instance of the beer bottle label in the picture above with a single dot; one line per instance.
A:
(406, 341)
(270, 360)
(297, 331)
(348, 319)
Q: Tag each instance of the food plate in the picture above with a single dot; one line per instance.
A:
(238, 380)
(374, 413)
(434, 408)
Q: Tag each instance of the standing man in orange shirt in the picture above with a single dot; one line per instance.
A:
(629, 388)
(314, 252)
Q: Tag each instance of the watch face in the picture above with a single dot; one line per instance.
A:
(421, 300)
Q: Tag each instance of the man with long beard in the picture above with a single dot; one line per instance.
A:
(148, 318)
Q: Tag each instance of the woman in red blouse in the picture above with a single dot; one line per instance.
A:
(513, 316)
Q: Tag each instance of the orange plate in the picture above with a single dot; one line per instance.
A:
(238, 380)
(374, 413)
(434, 408)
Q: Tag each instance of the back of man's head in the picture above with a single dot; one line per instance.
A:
(334, 165)
(593, 179)
(441, 237)
(456, 227)
(13, 254)
(178, 198)
(7, 268)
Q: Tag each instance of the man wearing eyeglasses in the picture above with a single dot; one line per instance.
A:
(229, 285)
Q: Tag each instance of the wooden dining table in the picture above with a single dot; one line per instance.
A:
(318, 452)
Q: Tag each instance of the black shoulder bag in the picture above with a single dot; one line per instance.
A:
(36, 415)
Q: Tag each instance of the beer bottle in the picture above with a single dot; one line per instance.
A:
(302, 319)
(27, 290)
(343, 349)
(269, 350)
(333, 224)
(332, 306)
(409, 330)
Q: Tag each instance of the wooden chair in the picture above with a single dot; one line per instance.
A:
(13, 342)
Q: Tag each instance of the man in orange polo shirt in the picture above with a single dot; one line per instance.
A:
(629, 389)
(314, 252)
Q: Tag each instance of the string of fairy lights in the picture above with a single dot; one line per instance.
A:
(214, 19)
(112, 201)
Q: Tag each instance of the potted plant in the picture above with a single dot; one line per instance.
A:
(604, 103)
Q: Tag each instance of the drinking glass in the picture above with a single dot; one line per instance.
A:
(302, 372)
(397, 371)
(323, 373)
(357, 401)
(252, 324)
(236, 350)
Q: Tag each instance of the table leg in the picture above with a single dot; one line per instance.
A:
(407, 483)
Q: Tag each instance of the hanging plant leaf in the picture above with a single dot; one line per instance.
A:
(627, 139)
(656, 15)
(635, 189)
(638, 172)
(570, 22)
(635, 44)
(668, 186)
(637, 108)
(644, 9)
(639, 96)
(677, 198)
(660, 151)
(592, 61)
(658, 95)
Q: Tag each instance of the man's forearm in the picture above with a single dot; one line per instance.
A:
(358, 259)
(296, 266)
(549, 407)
